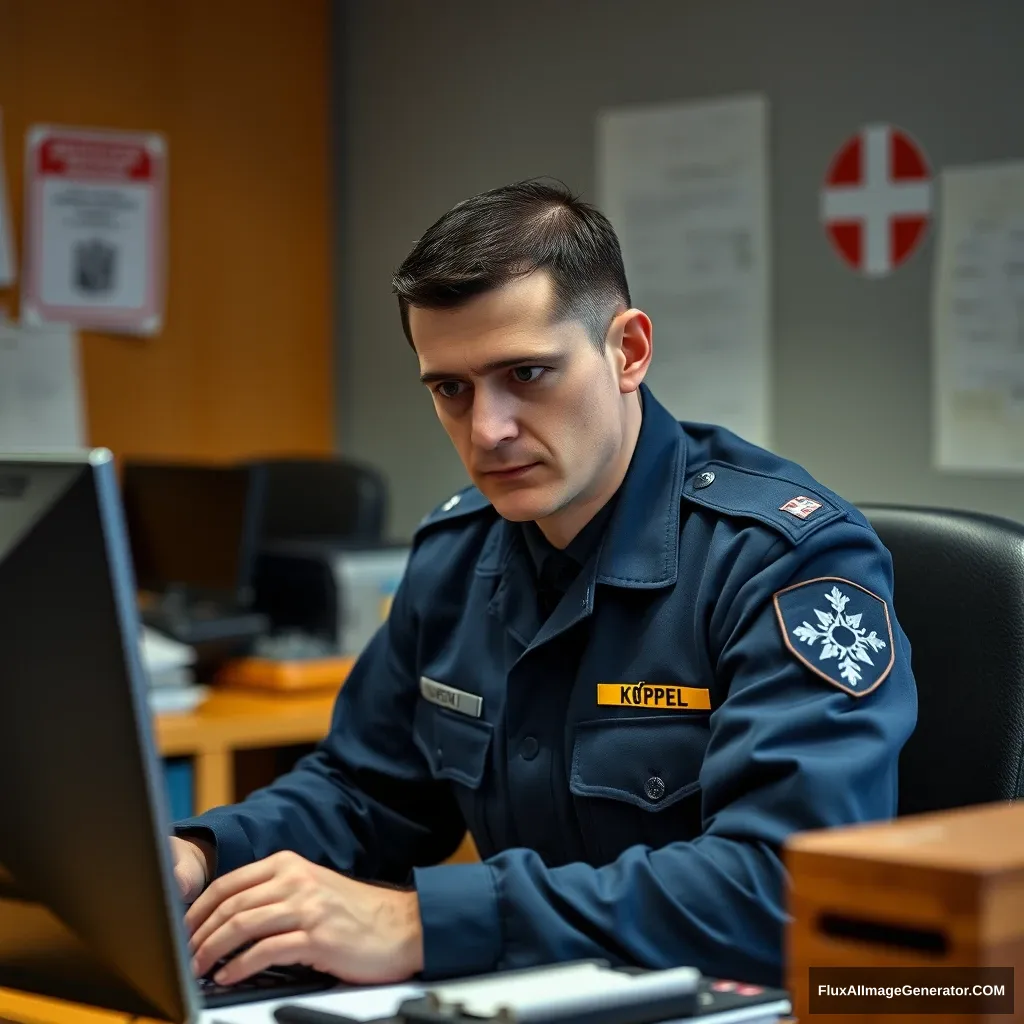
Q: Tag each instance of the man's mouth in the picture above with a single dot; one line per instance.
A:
(508, 472)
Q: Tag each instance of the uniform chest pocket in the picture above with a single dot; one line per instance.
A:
(455, 746)
(636, 781)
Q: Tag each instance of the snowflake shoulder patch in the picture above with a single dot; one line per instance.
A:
(839, 630)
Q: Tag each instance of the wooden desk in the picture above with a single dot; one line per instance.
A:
(37, 1010)
(233, 720)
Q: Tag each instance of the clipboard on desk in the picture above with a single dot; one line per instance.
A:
(592, 992)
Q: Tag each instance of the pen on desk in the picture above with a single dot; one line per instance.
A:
(292, 1013)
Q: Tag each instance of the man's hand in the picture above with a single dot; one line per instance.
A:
(191, 866)
(294, 912)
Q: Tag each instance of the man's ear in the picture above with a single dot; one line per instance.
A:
(630, 343)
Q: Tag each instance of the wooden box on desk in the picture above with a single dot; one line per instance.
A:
(931, 890)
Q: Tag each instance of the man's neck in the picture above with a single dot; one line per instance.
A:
(564, 525)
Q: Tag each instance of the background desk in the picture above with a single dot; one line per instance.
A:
(235, 722)
(232, 721)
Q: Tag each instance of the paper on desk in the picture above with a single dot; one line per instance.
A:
(161, 653)
(978, 320)
(565, 990)
(363, 1004)
(685, 186)
(41, 404)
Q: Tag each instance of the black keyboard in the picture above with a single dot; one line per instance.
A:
(273, 983)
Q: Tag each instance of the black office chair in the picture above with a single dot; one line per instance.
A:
(310, 498)
(959, 595)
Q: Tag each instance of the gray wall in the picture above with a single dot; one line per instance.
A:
(440, 99)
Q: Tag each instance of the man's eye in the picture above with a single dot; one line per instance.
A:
(449, 388)
(527, 374)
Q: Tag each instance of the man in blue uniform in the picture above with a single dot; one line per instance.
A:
(632, 659)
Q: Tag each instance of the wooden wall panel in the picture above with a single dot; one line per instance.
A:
(241, 89)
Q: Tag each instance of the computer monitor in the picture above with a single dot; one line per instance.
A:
(88, 906)
(193, 528)
(328, 499)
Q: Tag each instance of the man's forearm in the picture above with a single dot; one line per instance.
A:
(714, 903)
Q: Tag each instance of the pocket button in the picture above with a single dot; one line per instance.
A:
(654, 787)
(529, 748)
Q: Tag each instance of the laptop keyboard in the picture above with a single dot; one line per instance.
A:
(273, 983)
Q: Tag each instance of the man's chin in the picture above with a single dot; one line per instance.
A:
(522, 506)
(514, 512)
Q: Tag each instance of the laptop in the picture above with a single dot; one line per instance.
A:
(89, 910)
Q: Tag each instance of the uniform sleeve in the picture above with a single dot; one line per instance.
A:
(802, 741)
(364, 801)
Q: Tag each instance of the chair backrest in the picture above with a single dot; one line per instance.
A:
(309, 498)
(959, 596)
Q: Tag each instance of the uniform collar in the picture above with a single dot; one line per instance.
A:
(578, 550)
(641, 548)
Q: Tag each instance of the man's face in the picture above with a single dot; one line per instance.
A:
(533, 409)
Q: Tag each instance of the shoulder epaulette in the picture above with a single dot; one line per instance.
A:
(467, 502)
(794, 509)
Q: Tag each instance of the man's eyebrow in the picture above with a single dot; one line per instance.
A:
(529, 359)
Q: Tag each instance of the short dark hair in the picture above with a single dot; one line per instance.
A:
(488, 240)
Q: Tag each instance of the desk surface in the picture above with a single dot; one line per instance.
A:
(32, 1009)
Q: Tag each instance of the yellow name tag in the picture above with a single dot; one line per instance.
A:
(644, 695)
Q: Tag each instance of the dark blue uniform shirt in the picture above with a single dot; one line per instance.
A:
(722, 669)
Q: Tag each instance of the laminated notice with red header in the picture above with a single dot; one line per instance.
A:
(95, 225)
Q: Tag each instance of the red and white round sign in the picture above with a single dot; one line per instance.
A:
(876, 200)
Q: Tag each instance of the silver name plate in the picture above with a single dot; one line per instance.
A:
(448, 697)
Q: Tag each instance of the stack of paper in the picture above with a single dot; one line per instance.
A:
(169, 669)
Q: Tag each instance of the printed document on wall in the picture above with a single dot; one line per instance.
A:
(95, 229)
(7, 264)
(685, 186)
(978, 320)
(41, 405)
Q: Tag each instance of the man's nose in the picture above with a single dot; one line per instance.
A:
(493, 420)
